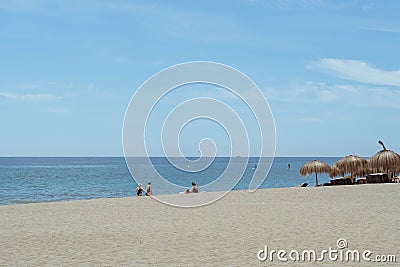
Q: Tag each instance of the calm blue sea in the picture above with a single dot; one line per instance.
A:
(42, 179)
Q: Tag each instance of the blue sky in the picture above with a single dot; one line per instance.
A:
(329, 70)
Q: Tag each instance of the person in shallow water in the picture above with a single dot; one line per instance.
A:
(149, 191)
(194, 189)
(139, 190)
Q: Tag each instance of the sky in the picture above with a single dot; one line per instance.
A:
(329, 70)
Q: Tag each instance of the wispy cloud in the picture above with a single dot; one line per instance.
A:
(310, 120)
(20, 5)
(343, 94)
(123, 60)
(29, 97)
(285, 4)
(358, 71)
(161, 18)
(58, 92)
(383, 29)
(180, 22)
(59, 110)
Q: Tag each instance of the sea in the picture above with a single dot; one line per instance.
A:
(44, 179)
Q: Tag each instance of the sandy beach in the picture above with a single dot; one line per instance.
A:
(144, 232)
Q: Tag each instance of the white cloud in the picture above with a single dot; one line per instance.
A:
(123, 60)
(310, 120)
(358, 71)
(344, 94)
(384, 29)
(59, 110)
(286, 4)
(19, 5)
(29, 97)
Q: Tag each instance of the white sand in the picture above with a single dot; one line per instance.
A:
(141, 231)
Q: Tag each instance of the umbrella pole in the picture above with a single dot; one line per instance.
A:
(316, 179)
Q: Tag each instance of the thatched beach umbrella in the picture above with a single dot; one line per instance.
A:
(354, 165)
(315, 166)
(384, 160)
(365, 172)
(397, 170)
(335, 171)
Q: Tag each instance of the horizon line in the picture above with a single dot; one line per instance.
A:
(161, 156)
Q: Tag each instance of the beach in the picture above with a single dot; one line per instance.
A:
(230, 232)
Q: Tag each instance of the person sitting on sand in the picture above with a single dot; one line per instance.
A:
(194, 189)
(149, 192)
(139, 190)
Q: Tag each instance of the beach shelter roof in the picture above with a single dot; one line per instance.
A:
(335, 171)
(352, 164)
(315, 166)
(384, 160)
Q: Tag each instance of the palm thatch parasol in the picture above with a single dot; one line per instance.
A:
(354, 165)
(315, 166)
(335, 171)
(384, 160)
(397, 170)
(365, 172)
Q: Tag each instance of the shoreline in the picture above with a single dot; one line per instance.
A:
(23, 202)
(48, 180)
(225, 193)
